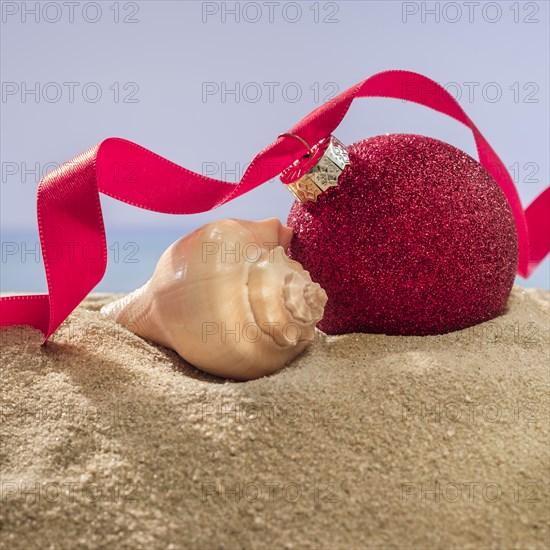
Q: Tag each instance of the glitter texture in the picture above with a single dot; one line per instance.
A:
(416, 239)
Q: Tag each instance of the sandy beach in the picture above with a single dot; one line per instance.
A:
(364, 441)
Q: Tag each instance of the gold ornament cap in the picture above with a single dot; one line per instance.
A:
(318, 170)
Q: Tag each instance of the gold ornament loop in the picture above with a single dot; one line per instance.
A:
(302, 140)
(307, 179)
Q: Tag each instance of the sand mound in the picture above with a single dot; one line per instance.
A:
(365, 441)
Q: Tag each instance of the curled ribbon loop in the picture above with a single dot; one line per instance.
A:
(68, 204)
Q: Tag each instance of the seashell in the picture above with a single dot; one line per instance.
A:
(228, 299)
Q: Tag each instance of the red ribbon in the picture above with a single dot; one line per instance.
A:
(69, 211)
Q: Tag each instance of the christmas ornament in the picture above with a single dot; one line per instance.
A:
(228, 299)
(416, 238)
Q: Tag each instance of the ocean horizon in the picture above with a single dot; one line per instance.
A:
(132, 256)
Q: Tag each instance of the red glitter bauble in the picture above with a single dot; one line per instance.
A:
(417, 239)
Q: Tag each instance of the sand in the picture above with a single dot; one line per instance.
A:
(365, 441)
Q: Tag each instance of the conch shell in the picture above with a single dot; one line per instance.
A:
(228, 299)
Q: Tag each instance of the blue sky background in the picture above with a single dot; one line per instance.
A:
(153, 67)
